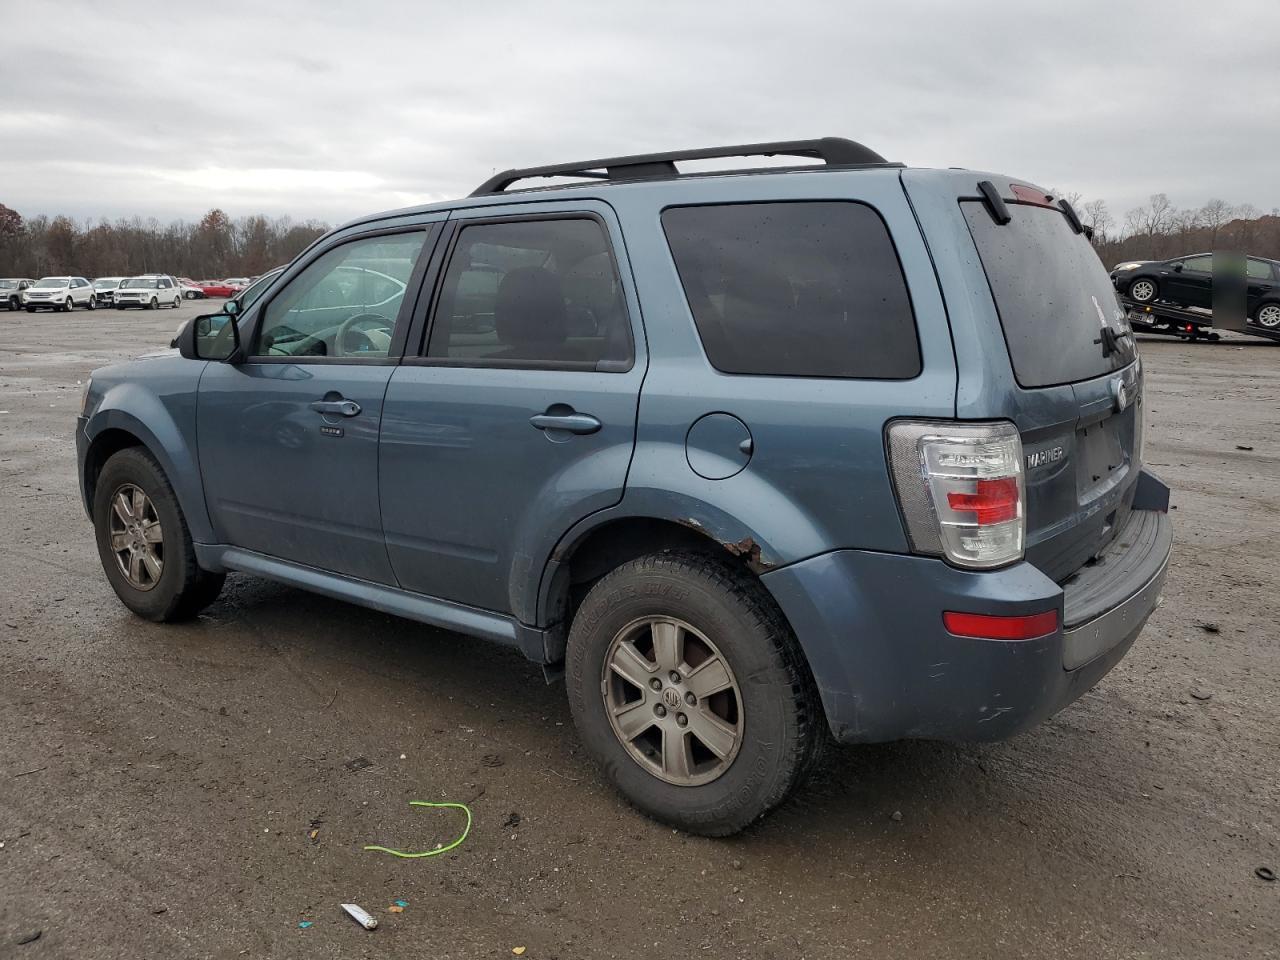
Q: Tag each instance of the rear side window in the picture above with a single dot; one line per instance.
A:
(799, 289)
(1258, 269)
(1052, 294)
(532, 293)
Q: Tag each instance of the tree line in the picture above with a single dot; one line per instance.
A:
(1159, 230)
(217, 246)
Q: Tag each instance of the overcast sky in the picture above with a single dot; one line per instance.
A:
(330, 110)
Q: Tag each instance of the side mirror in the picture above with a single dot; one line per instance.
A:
(1177, 268)
(211, 337)
(231, 308)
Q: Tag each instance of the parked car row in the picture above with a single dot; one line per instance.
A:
(150, 291)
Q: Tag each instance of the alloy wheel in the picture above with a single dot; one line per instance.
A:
(1142, 290)
(1269, 316)
(672, 700)
(137, 539)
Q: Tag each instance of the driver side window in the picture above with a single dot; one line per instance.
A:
(345, 303)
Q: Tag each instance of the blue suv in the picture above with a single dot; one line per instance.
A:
(754, 458)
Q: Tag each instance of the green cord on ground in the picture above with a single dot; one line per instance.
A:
(439, 850)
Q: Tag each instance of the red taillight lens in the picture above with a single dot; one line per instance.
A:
(984, 627)
(961, 490)
(994, 501)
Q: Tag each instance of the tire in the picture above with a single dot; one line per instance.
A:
(93, 303)
(14, 303)
(188, 296)
(1143, 290)
(68, 305)
(177, 302)
(1268, 316)
(182, 589)
(779, 722)
(154, 304)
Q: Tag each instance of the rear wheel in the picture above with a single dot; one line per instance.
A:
(1143, 290)
(143, 541)
(1268, 316)
(93, 303)
(690, 691)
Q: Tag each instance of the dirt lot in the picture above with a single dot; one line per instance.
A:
(159, 785)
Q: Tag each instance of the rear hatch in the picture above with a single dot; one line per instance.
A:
(1076, 387)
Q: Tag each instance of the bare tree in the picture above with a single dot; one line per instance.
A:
(1151, 221)
(1215, 215)
(1097, 218)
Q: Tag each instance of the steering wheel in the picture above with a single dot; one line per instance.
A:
(370, 320)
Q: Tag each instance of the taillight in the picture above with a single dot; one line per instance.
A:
(960, 488)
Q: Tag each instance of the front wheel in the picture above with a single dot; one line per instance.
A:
(1143, 290)
(154, 304)
(689, 690)
(1268, 316)
(143, 541)
(68, 305)
(13, 303)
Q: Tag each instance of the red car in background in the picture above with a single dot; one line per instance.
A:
(217, 288)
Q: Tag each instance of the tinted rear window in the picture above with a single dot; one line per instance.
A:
(1052, 293)
(804, 289)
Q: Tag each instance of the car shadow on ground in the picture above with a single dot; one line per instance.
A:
(851, 782)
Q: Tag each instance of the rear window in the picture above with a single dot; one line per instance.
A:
(801, 289)
(1052, 294)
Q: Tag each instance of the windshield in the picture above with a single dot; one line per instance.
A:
(50, 283)
(104, 284)
(146, 282)
(8, 284)
(1052, 294)
(259, 287)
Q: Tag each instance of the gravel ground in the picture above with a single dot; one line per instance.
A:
(189, 791)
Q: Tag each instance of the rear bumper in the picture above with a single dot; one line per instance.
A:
(871, 627)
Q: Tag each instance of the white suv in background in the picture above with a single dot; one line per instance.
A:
(59, 293)
(150, 290)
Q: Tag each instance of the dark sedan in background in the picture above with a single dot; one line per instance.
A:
(1188, 282)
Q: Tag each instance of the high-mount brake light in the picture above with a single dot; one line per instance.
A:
(960, 488)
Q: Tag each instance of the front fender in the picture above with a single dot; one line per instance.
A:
(165, 424)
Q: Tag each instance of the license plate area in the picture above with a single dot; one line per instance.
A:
(1100, 458)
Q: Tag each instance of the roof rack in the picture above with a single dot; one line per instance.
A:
(835, 151)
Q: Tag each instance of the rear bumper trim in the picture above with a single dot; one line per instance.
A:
(1084, 643)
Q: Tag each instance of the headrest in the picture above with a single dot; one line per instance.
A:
(529, 310)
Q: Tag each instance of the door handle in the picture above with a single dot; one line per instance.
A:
(570, 422)
(342, 408)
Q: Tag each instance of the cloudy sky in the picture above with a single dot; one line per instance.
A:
(329, 110)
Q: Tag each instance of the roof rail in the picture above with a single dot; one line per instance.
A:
(835, 151)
